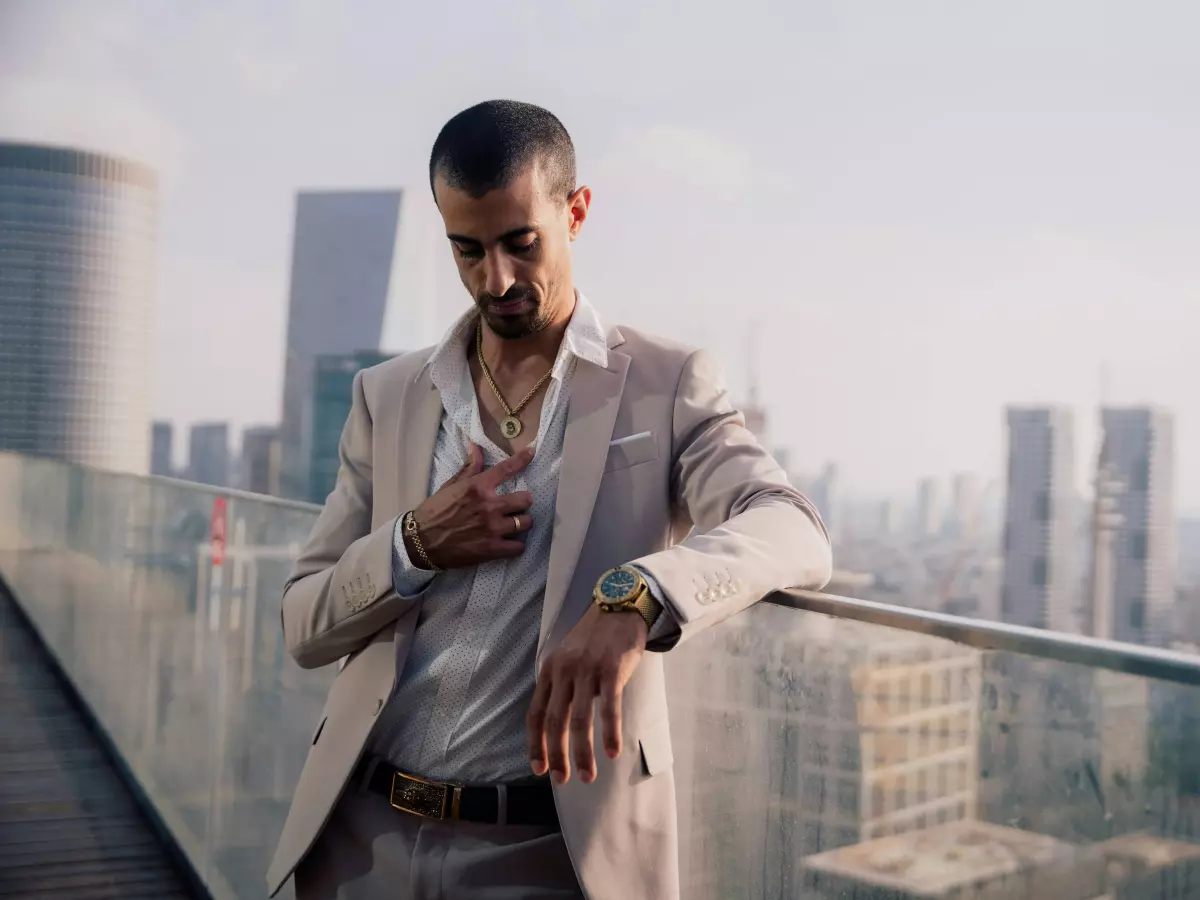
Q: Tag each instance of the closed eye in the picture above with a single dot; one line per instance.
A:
(525, 248)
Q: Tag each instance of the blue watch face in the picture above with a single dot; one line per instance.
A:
(618, 585)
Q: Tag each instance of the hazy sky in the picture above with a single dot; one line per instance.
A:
(930, 209)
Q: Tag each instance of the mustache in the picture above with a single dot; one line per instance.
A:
(514, 293)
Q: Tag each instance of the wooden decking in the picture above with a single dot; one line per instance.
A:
(68, 825)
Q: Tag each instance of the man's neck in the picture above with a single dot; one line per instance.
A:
(514, 354)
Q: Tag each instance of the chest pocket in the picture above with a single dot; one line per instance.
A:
(631, 451)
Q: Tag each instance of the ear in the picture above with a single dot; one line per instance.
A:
(578, 205)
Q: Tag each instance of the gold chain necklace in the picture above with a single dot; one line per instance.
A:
(511, 426)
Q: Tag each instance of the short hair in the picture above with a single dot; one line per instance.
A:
(488, 145)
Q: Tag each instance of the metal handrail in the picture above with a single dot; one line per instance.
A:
(1129, 659)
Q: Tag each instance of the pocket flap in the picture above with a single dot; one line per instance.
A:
(630, 451)
(655, 743)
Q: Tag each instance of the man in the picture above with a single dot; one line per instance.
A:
(520, 514)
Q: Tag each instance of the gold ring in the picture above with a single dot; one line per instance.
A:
(516, 523)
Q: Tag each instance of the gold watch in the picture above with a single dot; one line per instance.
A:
(623, 589)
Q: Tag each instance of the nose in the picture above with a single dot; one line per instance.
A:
(498, 274)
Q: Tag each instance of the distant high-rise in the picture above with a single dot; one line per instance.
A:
(162, 439)
(78, 234)
(1038, 587)
(260, 459)
(929, 508)
(208, 454)
(889, 518)
(343, 257)
(1139, 455)
(967, 501)
(823, 493)
(332, 393)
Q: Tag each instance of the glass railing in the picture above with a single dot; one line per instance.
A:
(872, 753)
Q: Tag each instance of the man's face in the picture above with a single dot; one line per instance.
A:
(512, 249)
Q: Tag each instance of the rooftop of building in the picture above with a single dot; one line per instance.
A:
(1138, 852)
(939, 859)
(74, 161)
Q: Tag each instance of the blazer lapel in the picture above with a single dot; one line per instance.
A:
(591, 415)
(420, 418)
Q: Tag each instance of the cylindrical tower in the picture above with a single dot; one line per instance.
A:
(78, 238)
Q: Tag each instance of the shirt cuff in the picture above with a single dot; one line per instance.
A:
(667, 625)
(407, 579)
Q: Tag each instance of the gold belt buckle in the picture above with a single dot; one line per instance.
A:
(422, 797)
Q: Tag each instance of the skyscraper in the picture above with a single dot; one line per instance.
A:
(343, 259)
(1139, 455)
(929, 508)
(1038, 588)
(333, 382)
(967, 500)
(161, 448)
(824, 495)
(208, 454)
(889, 518)
(78, 233)
(260, 459)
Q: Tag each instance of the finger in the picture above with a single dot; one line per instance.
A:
(506, 469)
(516, 524)
(473, 465)
(474, 458)
(583, 704)
(516, 502)
(558, 712)
(535, 724)
(610, 713)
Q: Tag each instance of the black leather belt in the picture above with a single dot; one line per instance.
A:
(526, 804)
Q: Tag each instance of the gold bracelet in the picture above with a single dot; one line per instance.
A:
(410, 529)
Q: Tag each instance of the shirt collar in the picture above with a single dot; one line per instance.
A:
(584, 339)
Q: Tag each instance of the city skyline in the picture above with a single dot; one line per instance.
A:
(943, 229)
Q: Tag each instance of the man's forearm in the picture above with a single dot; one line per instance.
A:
(778, 542)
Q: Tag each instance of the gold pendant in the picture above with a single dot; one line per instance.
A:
(511, 427)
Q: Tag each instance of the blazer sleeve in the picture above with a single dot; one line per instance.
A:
(340, 591)
(753, 533)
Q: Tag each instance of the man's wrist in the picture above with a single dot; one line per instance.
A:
(625, 589)
(411, 533)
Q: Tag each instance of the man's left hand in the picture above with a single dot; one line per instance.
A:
(596, 659)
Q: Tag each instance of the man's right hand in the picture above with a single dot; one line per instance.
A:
(466, 522)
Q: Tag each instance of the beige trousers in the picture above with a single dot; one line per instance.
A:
(369, 851)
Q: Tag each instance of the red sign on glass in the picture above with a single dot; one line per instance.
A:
(216, 532)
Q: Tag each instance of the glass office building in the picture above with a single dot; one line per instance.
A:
(343, 257)
(77, 246)
(332, 395)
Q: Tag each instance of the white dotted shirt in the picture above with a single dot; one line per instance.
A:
(458, 712)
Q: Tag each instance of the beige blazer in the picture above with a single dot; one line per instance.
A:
(690, 464)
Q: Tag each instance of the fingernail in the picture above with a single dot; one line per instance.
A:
(587, 777)
(559, 777)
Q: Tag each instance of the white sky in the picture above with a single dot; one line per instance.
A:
(929, 208)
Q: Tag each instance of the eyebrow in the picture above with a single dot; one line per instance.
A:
(507, 236)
